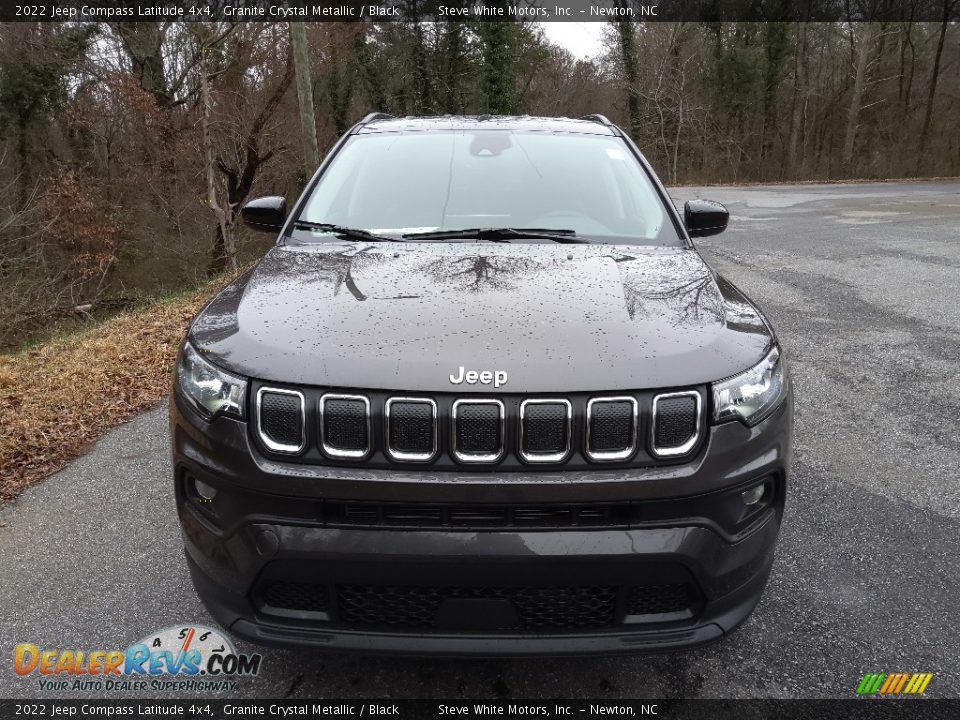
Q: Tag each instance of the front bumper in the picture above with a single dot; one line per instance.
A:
(686, 527)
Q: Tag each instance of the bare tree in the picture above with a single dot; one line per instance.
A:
(308, 121)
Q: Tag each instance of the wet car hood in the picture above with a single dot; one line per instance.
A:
(555, 318)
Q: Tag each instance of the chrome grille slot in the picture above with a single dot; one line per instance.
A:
(345, 425)
(411, 428)
(675, 429)
(478, 429)
(281, 420)
(545, 429)
(611, 428)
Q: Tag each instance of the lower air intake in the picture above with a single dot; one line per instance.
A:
(657, 599)
(547, 608)
(304, 597)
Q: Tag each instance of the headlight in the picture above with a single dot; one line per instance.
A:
(211, 390)
(753, 394)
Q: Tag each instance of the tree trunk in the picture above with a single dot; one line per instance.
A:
(499, 67)
(799, 100)
(23, 162)
(223, 252)
(628, 55)
(856, 97)
(308, 123)
(932, 91)
(376, 93)
(423, 91)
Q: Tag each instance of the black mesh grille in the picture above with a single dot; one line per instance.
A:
(296, 596)
(478, 429)
(611, 426)
(537, 608)
(657, 599)
(441, 515)
(345, 424)
(545, 428)
(411, 427)
(281, 418)
(676, 421)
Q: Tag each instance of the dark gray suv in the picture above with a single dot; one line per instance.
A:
(482, 397)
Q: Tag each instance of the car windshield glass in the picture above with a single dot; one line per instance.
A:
(402, 183)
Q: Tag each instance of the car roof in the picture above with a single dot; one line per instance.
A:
(384, 124)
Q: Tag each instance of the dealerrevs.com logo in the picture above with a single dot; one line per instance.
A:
(189, 658)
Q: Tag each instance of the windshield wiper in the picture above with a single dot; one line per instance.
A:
(505, 234)
(345, 232)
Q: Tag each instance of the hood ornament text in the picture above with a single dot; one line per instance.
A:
(484, 377)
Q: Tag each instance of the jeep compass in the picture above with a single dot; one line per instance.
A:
(482, 397)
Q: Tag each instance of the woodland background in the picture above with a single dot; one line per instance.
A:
(126, 150)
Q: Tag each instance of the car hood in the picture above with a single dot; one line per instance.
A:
(555, 318)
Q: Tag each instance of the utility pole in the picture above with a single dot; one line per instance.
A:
(301, 61)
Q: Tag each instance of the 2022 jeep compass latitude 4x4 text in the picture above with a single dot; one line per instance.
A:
(483, 397)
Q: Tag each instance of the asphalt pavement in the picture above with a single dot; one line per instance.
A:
(862, 283)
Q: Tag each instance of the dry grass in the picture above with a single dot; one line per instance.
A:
(58, 397)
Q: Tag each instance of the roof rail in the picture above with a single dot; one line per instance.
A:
(597, 117)
(370, 117)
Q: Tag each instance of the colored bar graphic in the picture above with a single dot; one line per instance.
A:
(894, 683)
(870, 683)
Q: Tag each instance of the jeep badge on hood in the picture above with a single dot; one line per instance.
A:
(484, 377)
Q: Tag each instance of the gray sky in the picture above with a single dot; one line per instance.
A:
(580, 38)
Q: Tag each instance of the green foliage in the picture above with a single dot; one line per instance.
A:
(34, 71)
(741, 68)
(499, 44)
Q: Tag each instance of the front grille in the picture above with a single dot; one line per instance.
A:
(281, 419)
(545, 430)
(345, 425)
(507, 432)
(676, 423)
(474, 516)
(611, 428)
(539, 608)
(478, 430)
(411, 428)
(536, 608)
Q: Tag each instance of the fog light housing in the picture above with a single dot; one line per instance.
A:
(754, 494)
(204, 491)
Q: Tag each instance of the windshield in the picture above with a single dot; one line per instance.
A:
(396, 183)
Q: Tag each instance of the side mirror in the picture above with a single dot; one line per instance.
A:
(704, 217)
(265, 214)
